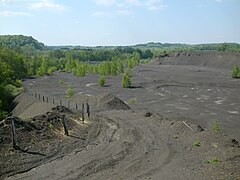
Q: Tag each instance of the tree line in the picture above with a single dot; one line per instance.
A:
(17, 63)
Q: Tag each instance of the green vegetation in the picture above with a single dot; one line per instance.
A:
(50, 126)
(213, 161)
(126, 82)
(196, 143)
(61, 82)
(216, 127)
(20, 41)
(23, 56)
(132, 101)
(101, 80)
(69, 92)
(235, 71)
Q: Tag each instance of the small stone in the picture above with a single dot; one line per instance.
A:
(148, 114)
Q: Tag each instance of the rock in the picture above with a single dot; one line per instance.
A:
(148, 114)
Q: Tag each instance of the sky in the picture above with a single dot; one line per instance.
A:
(122, 22)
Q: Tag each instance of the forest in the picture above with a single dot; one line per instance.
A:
(23, 56)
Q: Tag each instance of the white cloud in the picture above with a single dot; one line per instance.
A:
(125, 12)
(13, 13)
(155, 5)
(133, 2)
(105, 2)
(101, 13)
(46, 4)
(5, 1)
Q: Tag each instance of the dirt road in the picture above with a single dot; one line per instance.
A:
(132, 146)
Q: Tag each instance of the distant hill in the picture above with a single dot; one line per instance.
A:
(177, 46)
(20, 41)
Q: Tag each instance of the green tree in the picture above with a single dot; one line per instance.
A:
(69, 92)
(101, 80)
(235, 72)
(222, 47)
(43, 68)
(126, 82)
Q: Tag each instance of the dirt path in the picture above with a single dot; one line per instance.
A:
(132, 146)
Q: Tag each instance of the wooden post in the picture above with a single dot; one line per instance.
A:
(14, 140)
(82, 112)
(76, 106)
(43, 98)
(88, 110)
(53, 101)
(39, 96)
(35, 95)
(65, 126)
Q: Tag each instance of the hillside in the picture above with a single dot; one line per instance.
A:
(20, 41)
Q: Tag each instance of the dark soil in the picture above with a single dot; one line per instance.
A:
(159, 129)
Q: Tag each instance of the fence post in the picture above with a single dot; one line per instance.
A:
(43, 98)
(88, 110)
(35, 95)
(39, 96)
(53, 101)
(76, 106)
(47, 99)
(65, 126)
(60, 102)
(14, 140)
(82, 112)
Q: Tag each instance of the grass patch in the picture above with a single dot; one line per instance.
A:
(197, 143)
(50, 126)
(213, 161)
(132, 101)
(216, 127)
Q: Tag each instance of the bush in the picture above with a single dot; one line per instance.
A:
(101, 81)
(69, 92)
(126, 82)
(196, 143)
(216, 127)
(132, 101)
(235, 72)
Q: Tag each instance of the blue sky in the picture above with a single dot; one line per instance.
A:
(122, 22)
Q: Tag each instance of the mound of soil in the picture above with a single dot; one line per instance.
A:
(110, 102)
(213, 59)
(39, 139)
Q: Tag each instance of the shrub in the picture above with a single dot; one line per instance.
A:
(126, 82)
(132, 101)
(196, 143)
(101, 80)
(216, 127)
(235, 72)
(69, 92)
(51, 70)
(213, 161)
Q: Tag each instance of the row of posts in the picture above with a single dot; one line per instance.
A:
(14, 139)
(46, 99)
